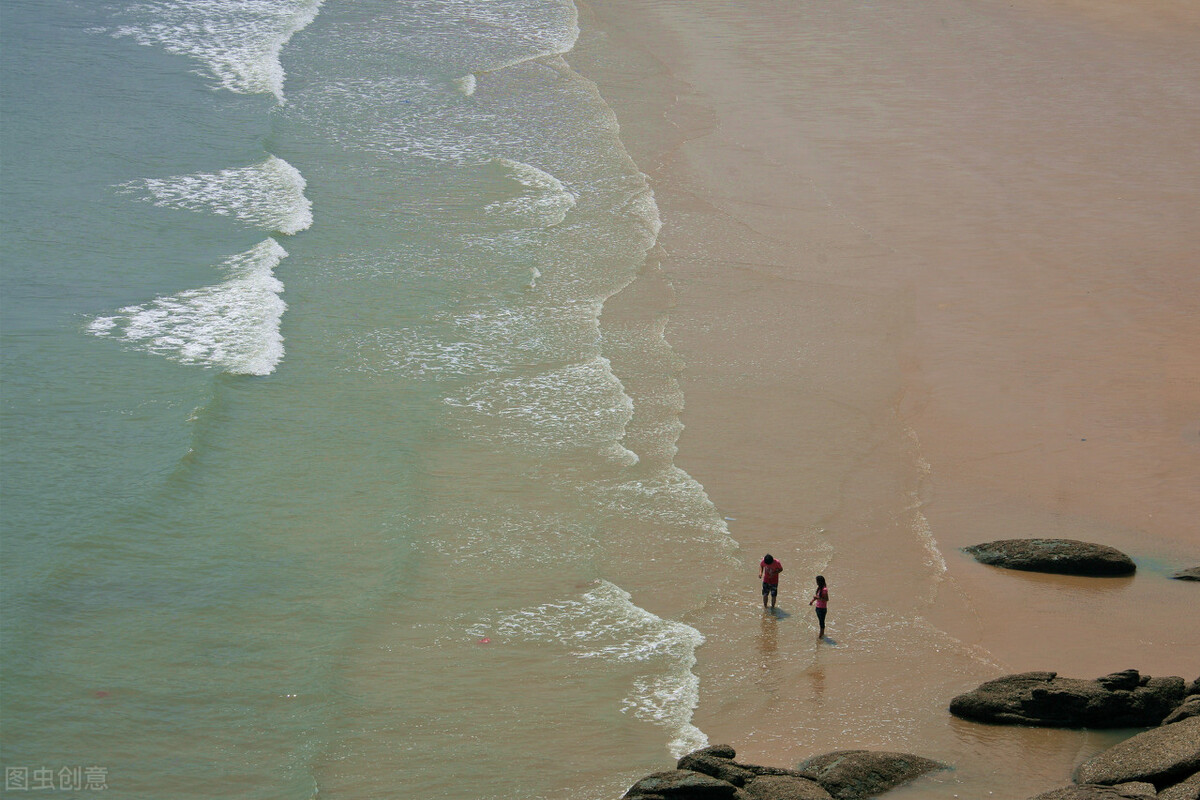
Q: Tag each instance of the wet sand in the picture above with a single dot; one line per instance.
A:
(932, 275)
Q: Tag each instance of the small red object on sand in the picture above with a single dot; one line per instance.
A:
(485, 640)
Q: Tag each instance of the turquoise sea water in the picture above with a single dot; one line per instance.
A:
(321, 472)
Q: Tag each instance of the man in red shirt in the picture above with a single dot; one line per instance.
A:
(769, 571)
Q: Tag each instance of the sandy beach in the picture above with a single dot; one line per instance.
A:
(930, 270)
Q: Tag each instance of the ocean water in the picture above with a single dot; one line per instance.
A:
(323, 470)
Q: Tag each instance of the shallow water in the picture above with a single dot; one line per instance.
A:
(320, 466)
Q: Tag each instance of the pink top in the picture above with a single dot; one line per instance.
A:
(770, 572)
(822, 597)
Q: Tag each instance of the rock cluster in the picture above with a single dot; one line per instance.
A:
(1162, 763)
(1121, 700)
(1060, 556)
(713, 774)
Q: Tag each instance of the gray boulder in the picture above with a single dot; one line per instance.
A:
(717, 767)
(717, 761)
(785, 787)
(1163, 756)
(1189, 574)
(716, 750)
(854, 774)
(1188, 790)
(682, 784)
(1060, 556)
(1190, 707)
(1120, 700)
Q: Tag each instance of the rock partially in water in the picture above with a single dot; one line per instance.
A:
(683, 784)
(712, 774)
(855, 774)
(1059, 556)
(1120, 700)
(1187, 790)
(1088, 792)
(1163, 756)
(1189, 574)
(1190, 707)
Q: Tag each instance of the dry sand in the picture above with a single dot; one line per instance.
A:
(935, 283)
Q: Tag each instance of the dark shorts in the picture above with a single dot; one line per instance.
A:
(770, 588)
(821, 615)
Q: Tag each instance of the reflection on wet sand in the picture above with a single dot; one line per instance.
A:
(816, 684)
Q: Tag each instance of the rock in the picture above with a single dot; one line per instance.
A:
(1189, 574)
(1126, 680)
(1095, 791)
(717, 761)
(1188, 790)
(1121, 700)
(682, 784)
(1163, 756)
(716, 750)
(723, 768)
(757, 770)
(1060, 556)
(853, 774)
(1190, 707)
(785, 787)
(1089, 792)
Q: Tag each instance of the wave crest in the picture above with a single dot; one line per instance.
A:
(237, 41)
(233, 325)
(268, 195)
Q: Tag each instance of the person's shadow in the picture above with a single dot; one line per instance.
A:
(777, 613)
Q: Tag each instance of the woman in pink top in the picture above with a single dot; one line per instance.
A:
(821, 598)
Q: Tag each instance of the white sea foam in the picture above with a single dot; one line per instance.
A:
(486, 341)
(405, 114)
(643, 207)
(498, 49)
(671, 497)
(605, 624)
(578, 405)
(237, 41)
(544, 200)
(497, 536)
(466, 85)
(488, 35)
(920, 523)
(233, 326)
(268, 195)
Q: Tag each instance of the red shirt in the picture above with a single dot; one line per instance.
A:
(770, 572)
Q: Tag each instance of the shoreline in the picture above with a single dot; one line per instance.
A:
(824, 409)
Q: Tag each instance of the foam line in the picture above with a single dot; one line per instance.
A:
(233, 326)
(237, 41)
(268, 195)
